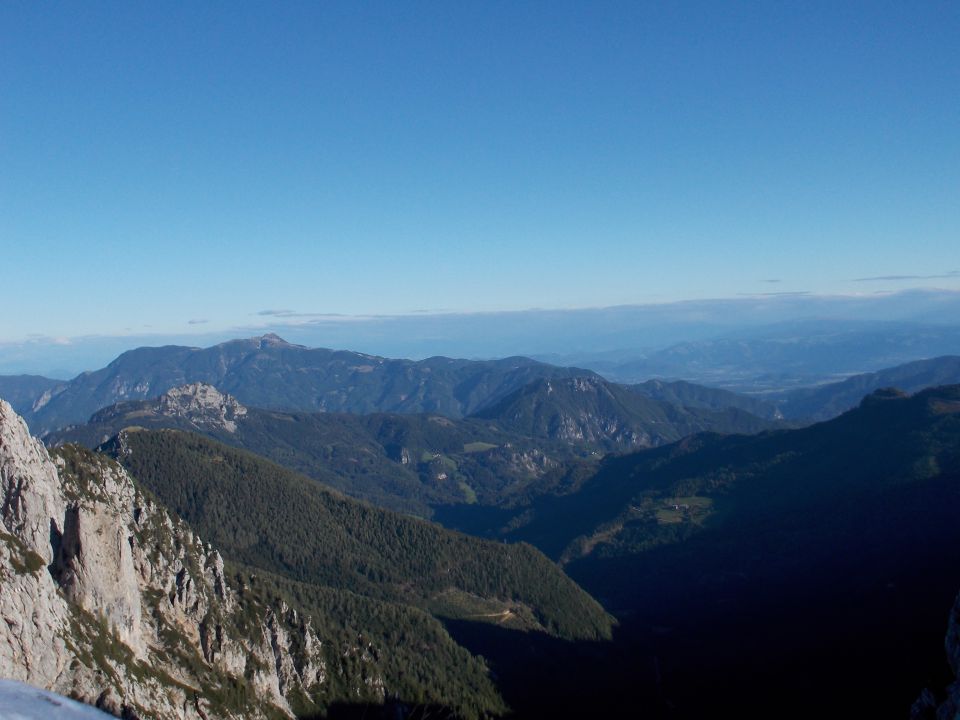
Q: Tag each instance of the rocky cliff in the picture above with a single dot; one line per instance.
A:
(199, 405)
(108, 599)
(945, 705)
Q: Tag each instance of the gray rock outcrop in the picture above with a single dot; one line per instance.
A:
(106, 598)
(203, 404)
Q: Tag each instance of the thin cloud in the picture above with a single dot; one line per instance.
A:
(881, 278)
(772, 280)
(197, 322)
(296, 315)
(795, 293)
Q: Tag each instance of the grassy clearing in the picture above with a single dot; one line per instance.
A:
(458, 605)
(476, 447)
(683, 509)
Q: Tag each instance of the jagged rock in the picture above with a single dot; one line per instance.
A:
(202, 404)
(104, 596)
(29, 483)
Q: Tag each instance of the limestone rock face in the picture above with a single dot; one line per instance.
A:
(203, 404)
(106, 598)
(29, 484)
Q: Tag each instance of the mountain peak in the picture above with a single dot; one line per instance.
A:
(272, 340)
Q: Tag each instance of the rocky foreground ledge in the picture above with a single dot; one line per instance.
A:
(25, 702)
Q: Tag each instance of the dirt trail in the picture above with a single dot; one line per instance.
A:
(503, 616)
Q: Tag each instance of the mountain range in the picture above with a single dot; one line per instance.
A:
(269, 372)
(826, 401)
(414, 462)
(780, 356)
(746, 558)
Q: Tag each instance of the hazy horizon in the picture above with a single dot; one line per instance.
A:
(564, 334)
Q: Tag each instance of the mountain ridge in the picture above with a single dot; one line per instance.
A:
(616, 417)
(268, 372)
(827, 401)
(411, 462)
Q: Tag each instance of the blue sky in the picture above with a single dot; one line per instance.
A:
(183, 167)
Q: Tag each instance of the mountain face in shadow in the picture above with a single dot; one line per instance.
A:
(816, 563)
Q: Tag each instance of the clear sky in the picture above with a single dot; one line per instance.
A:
(177, 166)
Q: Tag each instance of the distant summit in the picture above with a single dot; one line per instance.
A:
(268, 372)
(273, 340)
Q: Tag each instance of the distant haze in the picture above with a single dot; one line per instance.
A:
(614, 334)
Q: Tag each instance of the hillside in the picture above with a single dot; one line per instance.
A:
(835, 540)
(108, 598)
(413, 463)
(407, 463)
(268, 372)
(597, 413)
(22, 391)
(828, 401)
(265, 516)
(352, 596)
(691, 395)
(890, 439)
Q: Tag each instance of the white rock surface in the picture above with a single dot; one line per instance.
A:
(202, 404)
